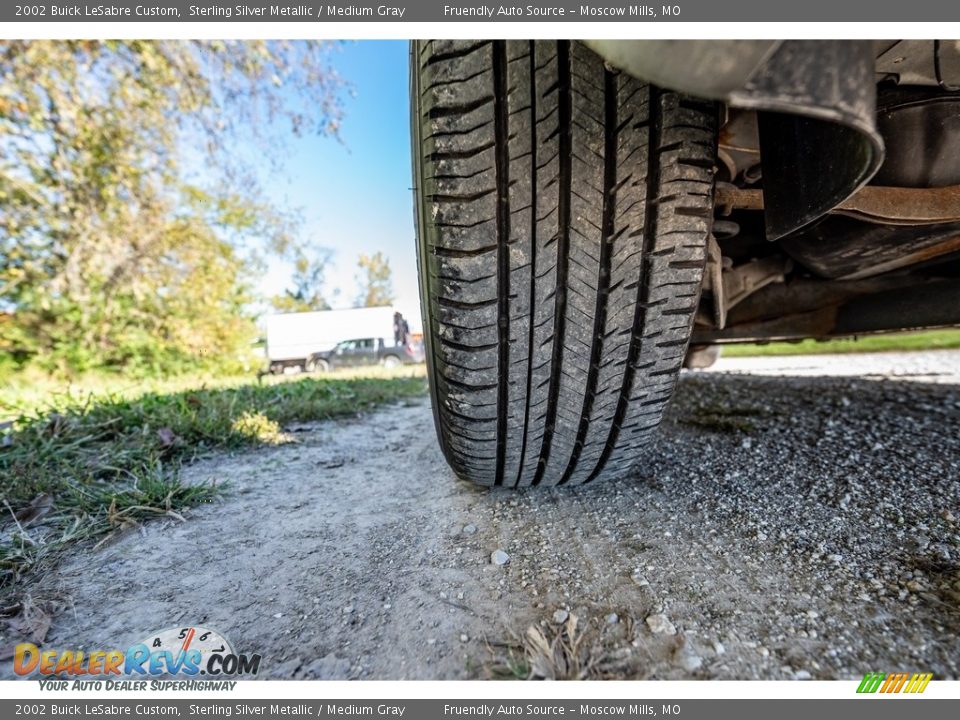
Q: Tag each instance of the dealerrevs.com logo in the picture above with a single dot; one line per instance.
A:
(188, 651)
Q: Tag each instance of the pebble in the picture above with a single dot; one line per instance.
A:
(499, 557)
(464, 637)
(613, 619)
(690, 661)
(802, 675)
(560, 616)
(660, 624)
(469, 529)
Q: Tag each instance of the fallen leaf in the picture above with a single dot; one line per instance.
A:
(38, 507)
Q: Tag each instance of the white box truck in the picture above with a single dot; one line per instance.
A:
(295, 340)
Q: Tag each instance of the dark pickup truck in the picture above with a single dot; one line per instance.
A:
(363, 352)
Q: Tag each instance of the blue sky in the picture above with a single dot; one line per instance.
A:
(355, 194)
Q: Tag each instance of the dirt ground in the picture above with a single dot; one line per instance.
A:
(792, 522)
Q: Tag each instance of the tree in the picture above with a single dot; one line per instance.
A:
(375, 280)
(128, 226)
(309, 268)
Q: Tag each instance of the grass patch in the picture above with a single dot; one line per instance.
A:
(551, 652)
(890, 342)
(78, 468)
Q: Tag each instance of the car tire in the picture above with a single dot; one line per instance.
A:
(563, 211)
(391, 361)
(321, 365)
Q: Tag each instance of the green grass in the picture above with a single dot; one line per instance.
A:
(86, 462)
(892, 342)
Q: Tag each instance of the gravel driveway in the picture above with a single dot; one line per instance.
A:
(791, 522)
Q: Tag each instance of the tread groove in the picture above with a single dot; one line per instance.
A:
(563, 244)
(502, 130)
(603, 273)
(643, 287)
(533, 327)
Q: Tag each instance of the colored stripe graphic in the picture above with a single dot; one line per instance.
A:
(871, 682)
(918, 683)
(894, 683)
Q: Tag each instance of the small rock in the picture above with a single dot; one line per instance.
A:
(387, 606)
(613, 619)
(813, 614)
(348, 609)
(464, 637)
(801, 675)
(560, 616)
(278, 615)
(469, 529)
(718, 648)
(499, 557)
(660, 624)
(431, 641)
(690, 661)
(746, 444)
(948, 516)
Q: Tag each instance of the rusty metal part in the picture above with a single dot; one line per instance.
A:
(738, 146)
(730, 285)
(728, 197)
(742, 281)
(872, 203)
(904, 206)
(923, 305)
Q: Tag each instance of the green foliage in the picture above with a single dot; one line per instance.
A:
(375, 280)
(109, 256)
(887, 342)
(96, 466)
(309, 268)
